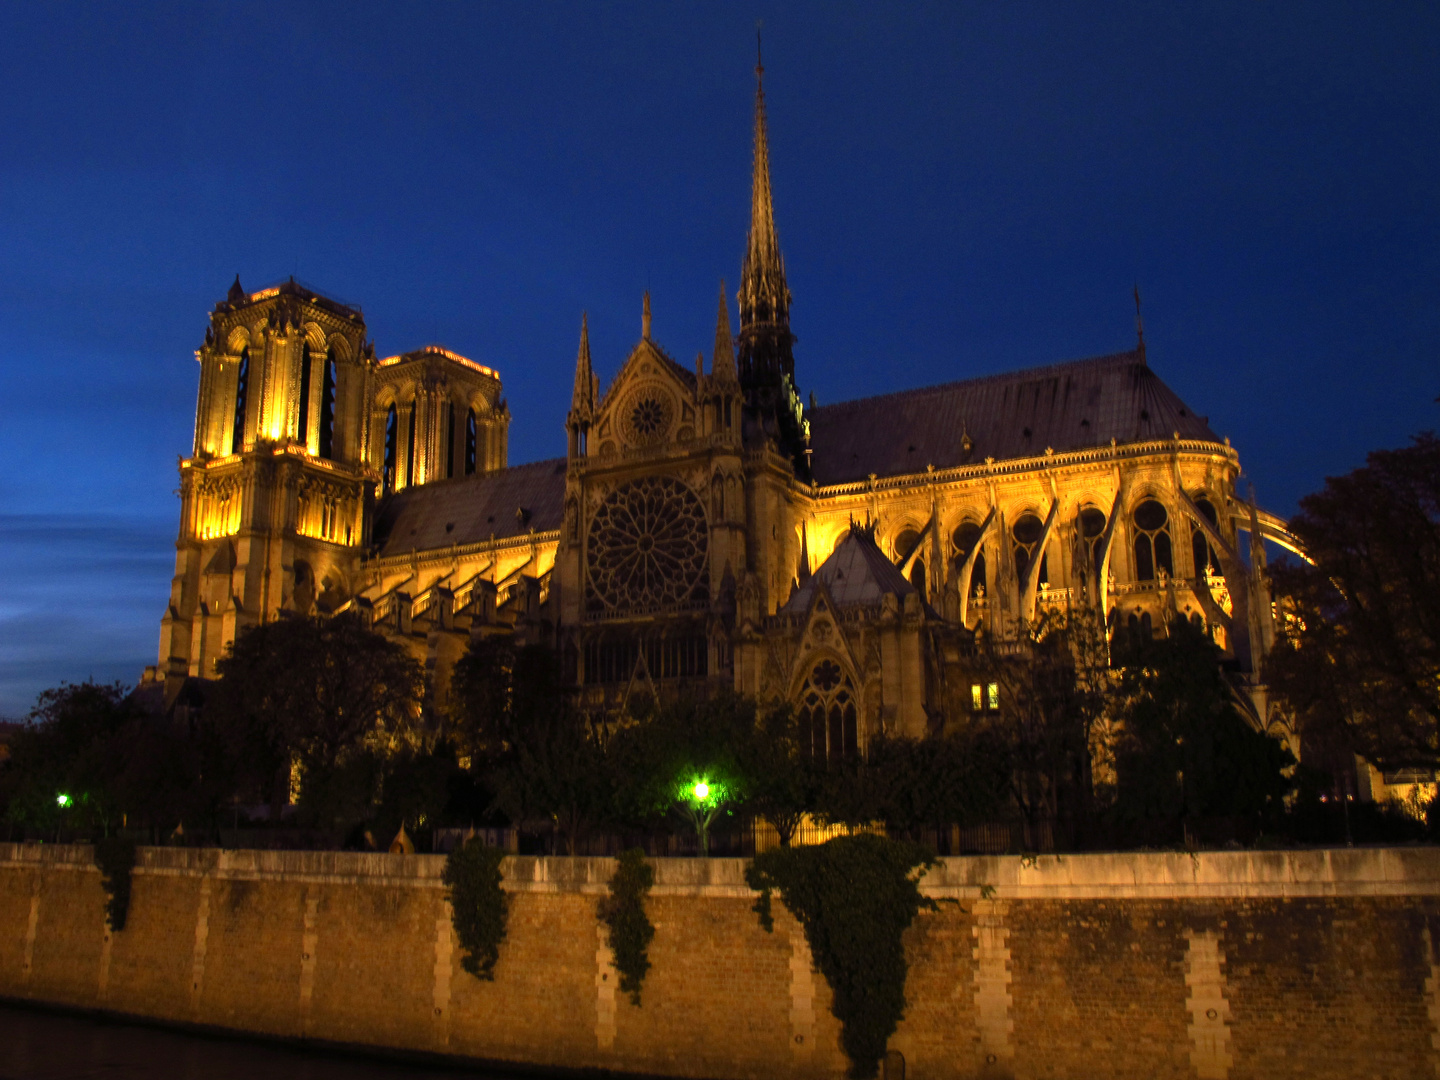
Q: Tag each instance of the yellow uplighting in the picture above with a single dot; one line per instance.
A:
(436, 350)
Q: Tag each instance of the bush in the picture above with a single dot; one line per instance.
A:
(623, 911)
(855, 896)
(478, 906)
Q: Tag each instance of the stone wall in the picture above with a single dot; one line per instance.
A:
(1315, 964)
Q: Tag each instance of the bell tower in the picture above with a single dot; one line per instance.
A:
(274, 494)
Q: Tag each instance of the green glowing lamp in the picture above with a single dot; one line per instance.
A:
(702, 791)
(62, 800)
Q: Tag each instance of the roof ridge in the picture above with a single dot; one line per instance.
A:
(1132, 356)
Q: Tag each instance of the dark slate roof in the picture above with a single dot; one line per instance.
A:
(857, 572)
(472, 509)
(1066, 407)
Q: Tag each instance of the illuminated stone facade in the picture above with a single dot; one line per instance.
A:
(705, 528)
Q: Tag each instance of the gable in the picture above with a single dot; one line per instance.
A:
(651, 401)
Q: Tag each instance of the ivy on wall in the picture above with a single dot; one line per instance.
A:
(623, 911)
(478, 906)
(855, 896)
(115, 856)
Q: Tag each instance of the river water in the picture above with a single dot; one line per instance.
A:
(38, 1045)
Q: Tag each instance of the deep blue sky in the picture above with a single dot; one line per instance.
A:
(961, 189)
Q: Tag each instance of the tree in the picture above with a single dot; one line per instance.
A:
(1058, 691)
(784, 778)
(514, 718)
(1184, 749)
(1358, 656)
(66, 765)
(310, 693)
(686, 759)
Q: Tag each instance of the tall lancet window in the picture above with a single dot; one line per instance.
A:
(410, 447)
(450, 441)
(303, 426)
(327, 408)
(391, 444)
(470, 443)
(242, 392)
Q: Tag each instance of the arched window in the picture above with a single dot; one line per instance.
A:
(391, 441)
(1200, 548)
(1092, 526)
(965, 538)
(1152, 541)
(829, 723)
(905, 545)
(303, 424)
(242, 392)
(450, 441)
(327, 408)
(1027, 532)
(470, 443)
(410, 446)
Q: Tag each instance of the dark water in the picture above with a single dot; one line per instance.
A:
(37, 1045)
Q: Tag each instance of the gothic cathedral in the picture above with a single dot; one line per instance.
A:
(705, 529)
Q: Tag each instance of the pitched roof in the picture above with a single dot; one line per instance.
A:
(857, 572)
(1065, 407)
(472, 509)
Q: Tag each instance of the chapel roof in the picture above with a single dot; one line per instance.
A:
(1064, 407)
(473, 509)
(856, 573)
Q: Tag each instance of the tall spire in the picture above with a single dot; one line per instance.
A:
(763, 295)
(582, 402)
(1139, 325)
(722, 360)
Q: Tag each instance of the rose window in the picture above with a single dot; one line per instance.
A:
(646, 416)
(647, 548)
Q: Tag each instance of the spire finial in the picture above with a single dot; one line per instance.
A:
(645, 317)
(759, 52)
(1139, 325)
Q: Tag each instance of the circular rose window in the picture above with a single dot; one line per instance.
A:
(646, 548)
(646, 415)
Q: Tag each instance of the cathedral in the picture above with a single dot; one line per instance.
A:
(706, 528)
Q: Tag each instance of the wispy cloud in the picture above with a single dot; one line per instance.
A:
(82, 597)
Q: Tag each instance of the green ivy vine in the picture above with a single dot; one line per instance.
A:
(478, 906)
(623, 911)
(855, 896)
(115, 856)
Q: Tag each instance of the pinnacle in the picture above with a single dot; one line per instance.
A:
(583, 399)
(722, 361)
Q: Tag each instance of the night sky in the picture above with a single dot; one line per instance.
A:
(960, 190)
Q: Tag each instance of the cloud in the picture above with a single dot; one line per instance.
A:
(82, 599)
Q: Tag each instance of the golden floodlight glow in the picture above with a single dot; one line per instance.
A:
(436, 350)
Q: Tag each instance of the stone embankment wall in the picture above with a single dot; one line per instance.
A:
(1234, 964)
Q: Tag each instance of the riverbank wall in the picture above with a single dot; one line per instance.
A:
(1211, 965)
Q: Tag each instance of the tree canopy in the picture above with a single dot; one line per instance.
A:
(1358, 658)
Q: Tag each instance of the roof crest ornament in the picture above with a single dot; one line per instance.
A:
(1139, 325)
(645, 317)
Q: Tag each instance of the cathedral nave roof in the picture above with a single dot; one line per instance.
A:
(1063, 407)
(473, 509)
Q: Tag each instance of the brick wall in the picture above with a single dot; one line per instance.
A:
(1316, 964)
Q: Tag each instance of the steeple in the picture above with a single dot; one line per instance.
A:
(722, 360)
(582, 401)
(773, 412)
(645, 317)
(764, 297)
